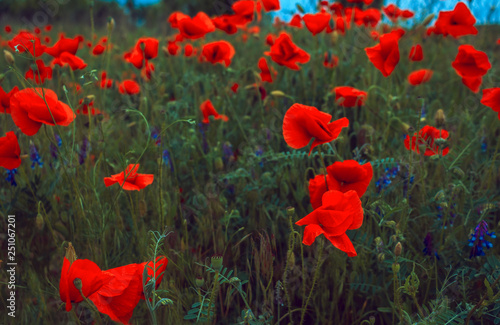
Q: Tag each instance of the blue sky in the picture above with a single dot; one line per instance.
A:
(480, 8)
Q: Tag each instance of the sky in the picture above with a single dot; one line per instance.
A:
(483, 10)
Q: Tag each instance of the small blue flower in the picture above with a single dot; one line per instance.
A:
(10, 176)
(168, 161)
(477, 240)
(35, 157)
(155, 134)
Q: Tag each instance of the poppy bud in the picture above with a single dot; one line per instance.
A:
(440, 118)
(39, 223)
(216, 261)
(398, 249)
(219, 164)
(372, 320)
(290, 211)
(277, 93)
(390, 223)
(405, 127)
(378, 241)
(381, 257)
(9, 57)
(334, 37)
(428, 19)
(395, 267)
(70, 253)
(199, 281)
(78, 283)
(111, 24)
(290, 257)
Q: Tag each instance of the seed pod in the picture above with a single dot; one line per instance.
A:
(395, 267)
(78, 283)
(398, 249)
(9, 57)
(111, 24)
(199, 281)
(39, 223)
(440, 118)
(216, 261)
(290, 211)
(218, 163)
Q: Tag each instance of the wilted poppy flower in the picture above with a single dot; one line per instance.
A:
(145, 49)
(64, 44)
(270, 5)
(285, 52)
(74, 62)
(385, 55)
(265, 74)
(470, 62)
(426, 139)
(10, 151)
(5, 99)
(129, 87)
(296, 21)
(196, 27)
(27, 41)
(316, 23)
(420, 76)
(338, 213)
(344, 176)
(40, 74)
(491, 98)
(29, 110)
(457, 23)
(349, 97)
(302, 123)
(119, 297)
(218, 52)
(416, 53)
(130, 180)
(207, 109)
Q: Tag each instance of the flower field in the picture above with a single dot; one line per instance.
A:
(341, 167)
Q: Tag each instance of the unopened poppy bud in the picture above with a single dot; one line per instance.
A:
(290, 257)
(378, 241)
(277, 93)
(78, 283)
(440, 118)
(216, 262)
(398, 249)
(334, 37)
(405, 127)
(290, 211)
(39, 223)
(111, 24)
(428, 19)
(395, 267)
(459, 172)
(70, 253)
(411, 129)
(381, 257)
(199, 281)
(219, 164)
(390, 223)
(9, 57)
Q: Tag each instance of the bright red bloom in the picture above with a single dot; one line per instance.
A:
(119, 297)
(338, 213)
(105, 82)
(174, 18)
(74, 62)
(285, 52)
(420, 76)
(385, 55)
(470, 62)
(316, 23)
(349, 97)
(40, 74)
(29, 111)
(457, 23)
(270, 39)
(196, 27)
(330, 61)
(173, 48)
(369, 17)
(393, 12)
(218, 52)
(69, 45)
(234, 87)
(91, 276)
(10, 152)
(473, 83)
(244, 11)
(129, 87)
(366, 2)
(491, 98)
(416, 53)
(296, 21)
(145, 49)
(130, 180)
(207, 109)
(302, 123)
(98, 49)
(270, 5)
(48, 28)
(426, 138)
(8, 29)
(24, 41)
(5, 99)
(188, 50)
(86, 107)
(265, 73)
(344, 176)
(226, 23)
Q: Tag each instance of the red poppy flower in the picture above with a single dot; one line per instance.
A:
(420, 76)
(105, 82)
(207, 109)
(234, 88)
(10, 152)
(270, 5)
(340, 25)
(285, 52)
(226, 23)
(265, 74)
(130, 180)
(302, 123)
(64, 44)
(338, 213)
(244, 11)
(145, 49)
(196, 27)
(416, 53)
(344, 176)
(74, 62)
(385, 55)
(188, 50)
(426, 138)
(393, 12)
(457, 23)
(473, 83)
(86, 107)
(366, 2)
(5, 99)
(296, 21)
(40, 74)
(119, 297)
(349, 97)
(174, 18)
(27, 41)
(90, 275)
(29, 111)
(48, 28)
(129, 87)
(330, 61)
(7, 29)
(491, 98)
(172, 48)
(316, 23)
(98, 49)
(470, 62)
(369, 17)
(218, 52)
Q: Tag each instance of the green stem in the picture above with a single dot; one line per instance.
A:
(315, 278)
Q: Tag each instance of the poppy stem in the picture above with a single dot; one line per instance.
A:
(321, 158)
(316, 274)
(92, 306)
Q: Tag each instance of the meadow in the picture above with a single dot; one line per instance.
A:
(157, 176)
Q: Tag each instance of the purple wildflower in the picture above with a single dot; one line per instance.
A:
(478, 241)
(168, 161)
(10, 176)
(35, 157)
(84, 150)
(155, 134)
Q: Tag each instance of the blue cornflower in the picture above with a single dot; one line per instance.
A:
(168, 161)
(155, 134)
(35, 157)
(10, 176)
(478, 240)
(84, 149)
(429, 249)
(227, 152)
